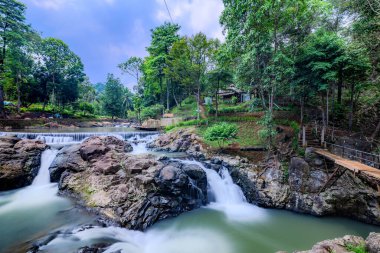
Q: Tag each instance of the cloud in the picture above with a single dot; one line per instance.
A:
(193, 15)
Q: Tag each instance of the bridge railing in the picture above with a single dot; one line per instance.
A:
(369, 159)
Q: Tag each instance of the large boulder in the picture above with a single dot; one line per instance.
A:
(310, 185)
(134, 191)
(347, 244)
(19, 161)
(183, 140)
(338, 245)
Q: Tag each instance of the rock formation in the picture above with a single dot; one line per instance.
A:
(347, 244)
(19, 161)
(308, 184)
(134, 191)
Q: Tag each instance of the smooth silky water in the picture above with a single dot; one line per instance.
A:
(227, 225)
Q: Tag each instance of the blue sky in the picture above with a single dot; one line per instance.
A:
(105, 33)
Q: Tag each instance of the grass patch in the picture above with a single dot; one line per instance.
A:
(187, 109)
(246, 136)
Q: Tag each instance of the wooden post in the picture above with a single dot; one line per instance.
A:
(323, 136)
(304, 137)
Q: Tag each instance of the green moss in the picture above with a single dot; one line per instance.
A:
(357, 249)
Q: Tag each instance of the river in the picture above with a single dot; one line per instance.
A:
(227, 225)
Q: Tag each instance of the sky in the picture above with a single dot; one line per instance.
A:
(105, 33)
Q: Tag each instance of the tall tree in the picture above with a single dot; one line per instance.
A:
(63, 71)
(201, 51)
(113, 97)
(132, 67)
(12, 26)
(179, 70)
(163, 38)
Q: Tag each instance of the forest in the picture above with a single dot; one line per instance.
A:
(310, 56)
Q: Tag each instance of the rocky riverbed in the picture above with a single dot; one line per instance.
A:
(307, 184)
(133, 191)
(347, 244)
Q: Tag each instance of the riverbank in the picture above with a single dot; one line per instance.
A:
(142, 191)
(308, 184)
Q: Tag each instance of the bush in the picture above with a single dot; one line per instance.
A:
(221, 133)
(210, 110)
(268, 132)
(86, 108)
(187, 123)
(234, 109)
(152, 112)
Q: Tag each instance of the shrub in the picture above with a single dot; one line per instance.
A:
(268, 131)
(152, 112)
(86, 108)
(221, 133)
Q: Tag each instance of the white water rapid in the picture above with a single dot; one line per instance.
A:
(43, 176)
(139, 143)
(224, 195)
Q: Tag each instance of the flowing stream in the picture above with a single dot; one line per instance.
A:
(227, 225)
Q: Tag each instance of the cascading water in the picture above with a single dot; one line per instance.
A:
(37, 210)
(43, 176)
(226, 196)
(139, 143)
(77, 137)
(32, 209)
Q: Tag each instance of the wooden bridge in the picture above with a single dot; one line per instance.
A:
(354, 166)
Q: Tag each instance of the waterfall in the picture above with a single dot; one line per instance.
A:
(43, 176)
(77, 137)
(139, 142)
(224, 195)
(40, 193)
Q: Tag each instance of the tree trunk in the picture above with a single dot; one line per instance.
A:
(175, 98)
(351, 117)
(216, 100)
(18, 96)
(198, 100)
(302, 109)
(327, 107)
(2, 62)
(2, 111)
(340, 85)
(167, 96)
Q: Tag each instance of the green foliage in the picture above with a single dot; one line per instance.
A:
(285, 170)
(86, 107)
(357, 249)
(268, 132)
(152, 112)
(234, 100)
(112, 98)
(221, 133)
(187, 123)
(226, 109)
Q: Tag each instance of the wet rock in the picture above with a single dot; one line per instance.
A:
(183, 140)
(19, 161)
(338, 245)
(372, 243)
(134, 191)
